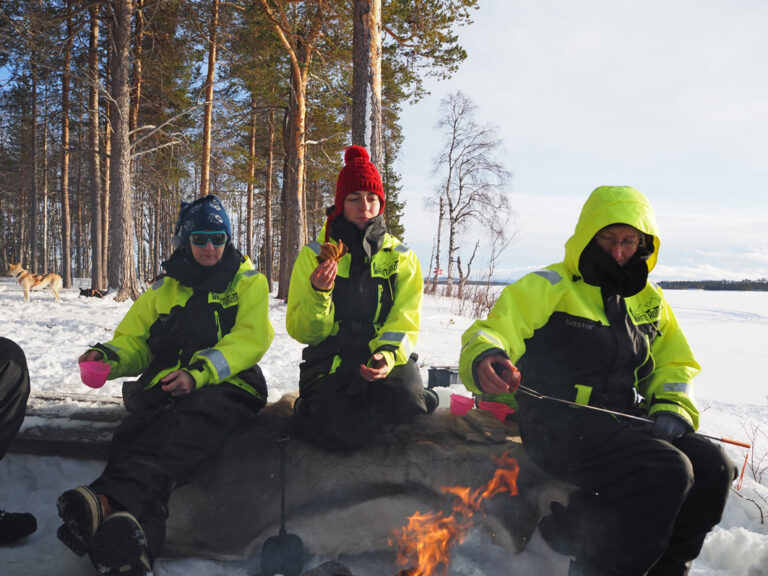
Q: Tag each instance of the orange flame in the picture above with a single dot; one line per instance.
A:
(425, 542)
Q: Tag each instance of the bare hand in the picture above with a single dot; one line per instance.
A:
(377, 370)
(491, 382)
(178, 383)
(91, 356)
(324, 275)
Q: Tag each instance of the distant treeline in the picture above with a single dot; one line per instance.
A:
(443, 280)
(760, 284)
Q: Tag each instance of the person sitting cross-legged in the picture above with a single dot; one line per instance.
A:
(355, 301)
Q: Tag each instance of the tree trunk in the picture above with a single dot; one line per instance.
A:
(137, 71)
(121, 152)
(268, 199)
(133, 123)
(300, 47)
(463, 278)
(33, 242)
(205, 164)
(156, 239)
(94, 163)
(294, 232)
(366, 79)
(251, 178)
(77, 194)
(111, 271)
(451, 248)
(66, 233)
(44, 249)
(440, 216)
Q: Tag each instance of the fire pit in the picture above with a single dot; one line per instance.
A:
(425, 542)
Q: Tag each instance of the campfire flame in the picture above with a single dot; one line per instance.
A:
(425, 542)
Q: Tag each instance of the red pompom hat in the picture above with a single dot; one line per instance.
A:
(358, 174)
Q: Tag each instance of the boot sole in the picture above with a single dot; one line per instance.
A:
(80, 510)
(120, 547)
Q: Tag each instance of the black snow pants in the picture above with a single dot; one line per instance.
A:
(14, 391)
(342, 411)
(161, 445)
(645, 505)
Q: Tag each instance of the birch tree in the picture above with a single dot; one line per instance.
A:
(474, 184)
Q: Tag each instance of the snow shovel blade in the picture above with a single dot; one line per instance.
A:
(282, 554)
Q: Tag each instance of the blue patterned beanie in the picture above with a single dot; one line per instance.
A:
(205, 213)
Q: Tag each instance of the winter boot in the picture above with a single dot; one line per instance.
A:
(15, 526)
(82, 513)
(119, 548)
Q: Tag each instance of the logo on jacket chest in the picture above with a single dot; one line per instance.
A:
(226, 300)
(647, 311)
(383, 269)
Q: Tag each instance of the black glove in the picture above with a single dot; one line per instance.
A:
(669, 426)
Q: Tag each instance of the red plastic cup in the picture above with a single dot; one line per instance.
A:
(498, 409)
(94, 374)
(460, 405)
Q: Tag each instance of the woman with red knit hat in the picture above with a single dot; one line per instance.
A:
(355, 300)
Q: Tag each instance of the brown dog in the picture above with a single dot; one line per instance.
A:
(31, 281)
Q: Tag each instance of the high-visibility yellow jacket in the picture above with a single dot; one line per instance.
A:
(234, 324)
(555, 328)
(375, 306)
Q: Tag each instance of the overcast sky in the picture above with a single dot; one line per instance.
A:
(668, 96)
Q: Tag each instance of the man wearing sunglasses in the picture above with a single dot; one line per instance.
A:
(195, 338)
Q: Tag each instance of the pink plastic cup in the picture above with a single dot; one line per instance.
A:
(94, 374)
(498, 409)
(460, 405)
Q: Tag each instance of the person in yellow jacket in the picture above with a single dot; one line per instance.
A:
(195, 338)
(359, 316)
(594, 330)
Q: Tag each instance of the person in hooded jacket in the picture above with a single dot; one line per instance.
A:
(595, 331)
(195, 337)
(359, 316)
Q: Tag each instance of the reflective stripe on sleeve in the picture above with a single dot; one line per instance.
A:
(550, 275)
(220, 363)
(399, 339)
(483, 334)
(684, 387)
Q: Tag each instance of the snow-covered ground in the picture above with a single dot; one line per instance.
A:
(727, 330)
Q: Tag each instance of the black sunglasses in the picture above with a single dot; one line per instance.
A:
(202, 238)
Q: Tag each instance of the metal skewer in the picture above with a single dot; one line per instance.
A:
(533, 394)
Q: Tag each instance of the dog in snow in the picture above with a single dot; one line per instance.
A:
(30, 281)
(93, 292)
